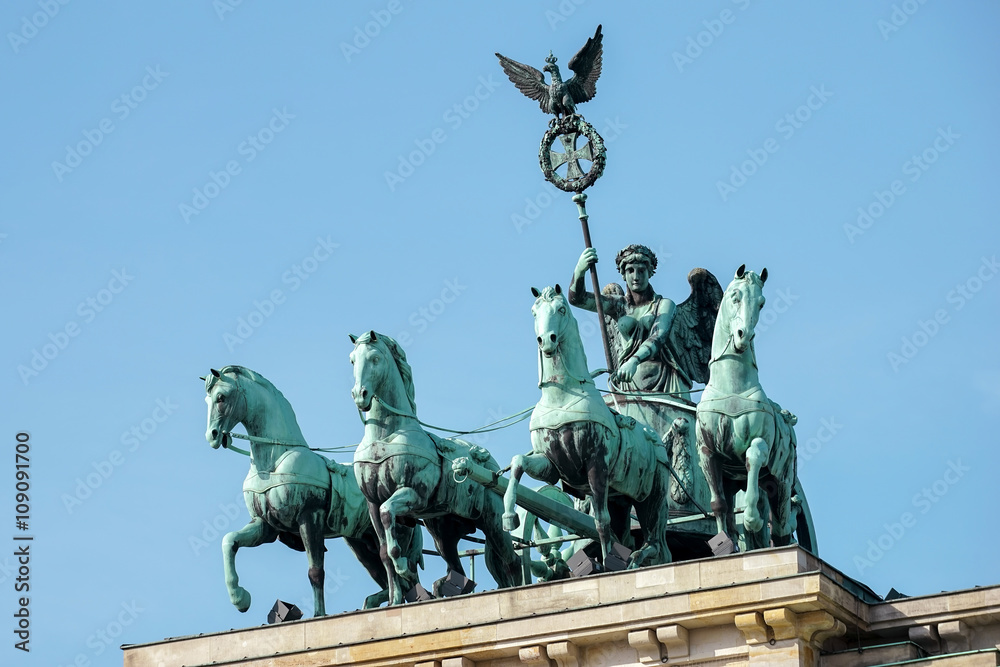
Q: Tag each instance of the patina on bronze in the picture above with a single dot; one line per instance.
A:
(293, 494)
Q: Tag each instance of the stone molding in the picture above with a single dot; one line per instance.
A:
(747, 601)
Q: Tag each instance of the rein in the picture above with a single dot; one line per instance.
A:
(520, 416)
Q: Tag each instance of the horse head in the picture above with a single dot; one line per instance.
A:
(551, 313)
(380, 369)
(741, 305)
(227, 405)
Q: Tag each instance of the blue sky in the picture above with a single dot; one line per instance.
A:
(209, 155)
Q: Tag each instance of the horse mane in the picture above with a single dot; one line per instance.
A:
(253, 376)
(399, 356)
(550, 294)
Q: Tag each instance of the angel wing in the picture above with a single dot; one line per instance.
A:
(694, 324)
(586, 65)
(615, 340)
(528, 80)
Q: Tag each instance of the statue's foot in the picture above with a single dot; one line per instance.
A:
(510, 521)
(752, 522)
(240, 597)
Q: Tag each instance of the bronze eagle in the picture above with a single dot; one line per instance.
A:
(559, 97)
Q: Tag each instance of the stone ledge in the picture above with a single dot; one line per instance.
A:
(660, 605)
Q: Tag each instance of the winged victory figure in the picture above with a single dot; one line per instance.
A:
(559, 97)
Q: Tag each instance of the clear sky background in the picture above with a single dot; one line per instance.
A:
(887, 107)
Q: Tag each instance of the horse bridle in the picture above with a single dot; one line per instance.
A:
(730, 342)
(565, 367)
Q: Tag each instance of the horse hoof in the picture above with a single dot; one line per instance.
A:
(375, 600)
(402, 566)
(241, 599)
(752, 524)
(510, 521)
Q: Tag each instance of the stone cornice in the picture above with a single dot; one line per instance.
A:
(791, 593)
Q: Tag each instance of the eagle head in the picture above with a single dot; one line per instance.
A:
(550, 65)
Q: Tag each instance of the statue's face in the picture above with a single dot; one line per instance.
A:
(636, 276)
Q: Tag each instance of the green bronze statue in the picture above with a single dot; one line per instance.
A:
(658, 346)
(405, 473)
(293, 494)
(745, 440)
(577, 439)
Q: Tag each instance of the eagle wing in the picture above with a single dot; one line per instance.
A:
(586, 65)
(694, 324)
(528, 80)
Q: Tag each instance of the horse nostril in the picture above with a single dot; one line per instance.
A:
(215, 433)
(539, 340)
(552, 337)
(739, 332)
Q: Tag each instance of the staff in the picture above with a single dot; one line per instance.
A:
(581, 204)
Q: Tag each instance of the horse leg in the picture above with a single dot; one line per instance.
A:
(365, 549)
(709, 465)
(501, 560)
(446, 534)
(782, 522)
(757, 454)
(538, 467)
(312, 533)
(251, 535)
(404, 501)
(395, 593)
(653, 514)
(597, 478)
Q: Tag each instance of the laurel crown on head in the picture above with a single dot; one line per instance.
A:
(636, 253)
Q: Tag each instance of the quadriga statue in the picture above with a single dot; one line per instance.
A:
(292, 493)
